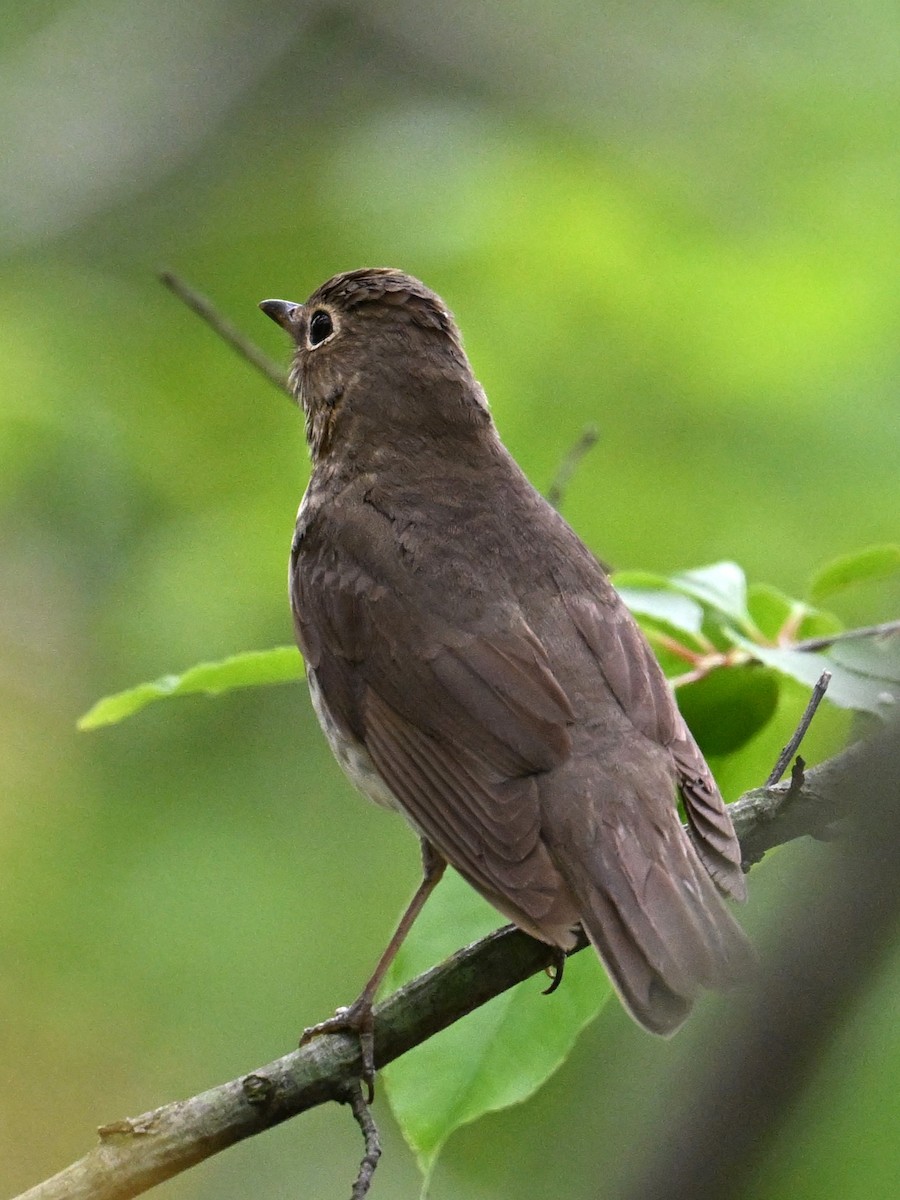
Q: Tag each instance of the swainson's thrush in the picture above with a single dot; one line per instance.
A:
(472, 666)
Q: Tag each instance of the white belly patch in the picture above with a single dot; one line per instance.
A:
(353, 758)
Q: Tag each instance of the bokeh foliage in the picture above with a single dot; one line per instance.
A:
(677, 221)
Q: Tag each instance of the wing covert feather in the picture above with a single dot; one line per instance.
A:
(491, 689)
(638, 684)
(489, 830)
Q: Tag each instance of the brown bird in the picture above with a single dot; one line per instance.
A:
(472, 665)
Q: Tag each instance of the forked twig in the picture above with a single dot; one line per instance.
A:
(799, 733)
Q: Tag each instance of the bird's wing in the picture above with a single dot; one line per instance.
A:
(458, 723)
(638, 684)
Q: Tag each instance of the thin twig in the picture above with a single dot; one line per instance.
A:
(885, 629)
(790, 749)
(226, 330)
(570, 463)
(366, 1123)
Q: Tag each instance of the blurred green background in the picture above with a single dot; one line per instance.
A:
(678, 220)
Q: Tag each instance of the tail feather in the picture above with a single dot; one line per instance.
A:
(660, 957)
(708, 817)
(653, 913)
(651, 1002)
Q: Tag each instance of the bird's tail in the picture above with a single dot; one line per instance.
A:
(654, 915)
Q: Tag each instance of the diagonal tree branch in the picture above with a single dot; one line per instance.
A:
(136, 1153)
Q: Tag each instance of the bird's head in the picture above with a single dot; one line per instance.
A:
(377, 352)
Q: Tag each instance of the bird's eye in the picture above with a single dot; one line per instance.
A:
(320, 327)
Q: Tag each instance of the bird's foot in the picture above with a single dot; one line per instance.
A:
(358, 1018)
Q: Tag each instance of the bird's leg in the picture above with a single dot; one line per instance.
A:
(358, 1017)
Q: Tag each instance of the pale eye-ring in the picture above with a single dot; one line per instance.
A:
(321, 326)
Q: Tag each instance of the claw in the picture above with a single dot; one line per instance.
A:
(556, 968)
(358, 1018)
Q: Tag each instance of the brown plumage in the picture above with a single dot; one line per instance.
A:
(472, 665)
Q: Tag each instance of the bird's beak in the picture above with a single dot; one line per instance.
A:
(281, 311)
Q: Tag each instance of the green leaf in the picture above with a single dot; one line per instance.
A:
(727, 707)
(672, 609)
(816, 623)
(649, 580)
(770, 610)
(850, 687)
(873, 563)
(498, 1055)
(252, 669)
(722, 586)
(875, 657)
